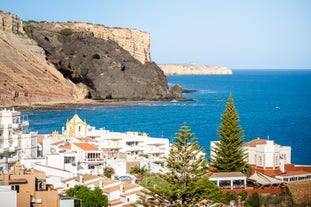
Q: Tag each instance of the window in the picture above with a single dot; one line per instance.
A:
(259, 160)
(15, 187)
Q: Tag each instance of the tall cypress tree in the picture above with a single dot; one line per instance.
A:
(228, 155)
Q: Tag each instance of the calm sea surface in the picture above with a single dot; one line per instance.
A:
(272, 104)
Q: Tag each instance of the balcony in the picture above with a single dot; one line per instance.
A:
(112, 146)
(12, 149)
(12, 159)
(93, 160)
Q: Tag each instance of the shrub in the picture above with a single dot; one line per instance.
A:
(243, 195)
(108, 171)
(253, 200)
(66, 31)
(231, 197)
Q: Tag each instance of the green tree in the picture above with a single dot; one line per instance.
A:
(138, 172)
(228, 155)
(253, 200)
(90, 198)
(108, 172)
(186, 180)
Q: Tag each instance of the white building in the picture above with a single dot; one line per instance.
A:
(16, 142)
(266, 156)
(132, 144)
(229, 180)
(8, 197)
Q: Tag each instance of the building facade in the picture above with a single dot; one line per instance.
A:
(16, 142)
(266, 156)
(31, 187)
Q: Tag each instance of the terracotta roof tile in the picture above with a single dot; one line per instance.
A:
(255, 142)
(66, 146)
(40, 138)
(86, 146)
(227, 174)
(292, 173)
(128, 186)
(111, 189)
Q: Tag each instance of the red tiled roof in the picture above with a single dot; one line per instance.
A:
(255, 142)
(227, 174)
(67, 146)
(111, 189)
(128, 186)
(292, 173)
(86, 146)
(40, 138)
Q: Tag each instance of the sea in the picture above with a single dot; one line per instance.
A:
(272, 104)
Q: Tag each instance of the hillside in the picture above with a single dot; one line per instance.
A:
(26, 77)
(51, 63)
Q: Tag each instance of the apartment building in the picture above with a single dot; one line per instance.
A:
(31, 187)
(16, 142)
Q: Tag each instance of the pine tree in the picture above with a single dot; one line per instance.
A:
(186, 181)
(228, 155)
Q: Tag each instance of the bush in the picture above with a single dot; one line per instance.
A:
(108, 171)
(243, 195)
(231, 197)
(66, 31)
(253, 200)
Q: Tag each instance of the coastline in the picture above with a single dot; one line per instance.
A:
(88, 103)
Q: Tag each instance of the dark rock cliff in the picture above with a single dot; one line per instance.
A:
(108, 70)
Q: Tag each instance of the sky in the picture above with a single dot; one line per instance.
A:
(239, 34)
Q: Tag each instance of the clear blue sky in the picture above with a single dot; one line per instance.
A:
(233, 33)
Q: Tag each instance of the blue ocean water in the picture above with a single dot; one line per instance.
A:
(272, 104)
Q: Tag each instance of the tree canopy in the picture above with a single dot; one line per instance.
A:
(228, 156)
(90, 198)
(186, 182)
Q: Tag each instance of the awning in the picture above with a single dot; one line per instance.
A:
(264, 180)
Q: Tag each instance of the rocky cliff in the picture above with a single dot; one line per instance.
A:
(136, 42)
(68, 62)
(191, 69)
(26, 78)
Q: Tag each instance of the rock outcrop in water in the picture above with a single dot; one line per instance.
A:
(69, 62)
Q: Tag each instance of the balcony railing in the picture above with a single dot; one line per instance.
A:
(12, 159)
(94, 160)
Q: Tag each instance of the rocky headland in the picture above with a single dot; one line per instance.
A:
(193, 69)
(44, 63)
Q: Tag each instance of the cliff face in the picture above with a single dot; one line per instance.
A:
(136, 42)
(180, 69)
(26, 78)
(109, 71)
(68, 62)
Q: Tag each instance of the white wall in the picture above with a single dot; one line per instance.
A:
(8, 197)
